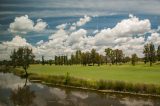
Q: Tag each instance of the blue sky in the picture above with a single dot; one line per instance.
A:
(103, 14)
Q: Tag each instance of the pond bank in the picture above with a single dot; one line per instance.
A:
(104, 86)
(100, 86)
(50, 95)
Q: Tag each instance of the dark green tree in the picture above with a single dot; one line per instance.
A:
(98, 59)
(158, 53)
(93, 56)
(149, 53)
(43, 61)
(108, 53)
(134, 59)
(118, 56)
(22, 57)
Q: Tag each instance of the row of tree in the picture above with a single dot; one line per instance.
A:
(92, 58)
(116, 56)
(24, 56)
(150, 53)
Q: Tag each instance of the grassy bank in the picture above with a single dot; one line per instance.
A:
(140, 79)
(133, 74)
(119, 86)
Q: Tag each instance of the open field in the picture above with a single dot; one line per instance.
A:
(135, 74)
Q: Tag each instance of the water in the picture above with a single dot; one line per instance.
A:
(14, 93)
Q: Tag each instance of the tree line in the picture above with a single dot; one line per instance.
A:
(24, 56)
(111, 57)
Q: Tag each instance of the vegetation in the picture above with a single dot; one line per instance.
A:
(140, 73)
(134, 59)
(22, 57)
(119, 77)
(149, 53)
(22, 96)
(158, 53)
(111, 57)
(99, 85)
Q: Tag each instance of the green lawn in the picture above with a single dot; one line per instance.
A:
(136, 74)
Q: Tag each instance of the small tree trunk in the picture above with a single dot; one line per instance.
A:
(150, 63)
(26, 72)
(26, 81)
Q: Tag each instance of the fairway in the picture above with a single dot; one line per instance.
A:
(136, 74)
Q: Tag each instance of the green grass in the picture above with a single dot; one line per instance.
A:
(135, 74)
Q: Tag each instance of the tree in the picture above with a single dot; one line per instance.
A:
(98, 59)
(93, 56)
(134, 59)
(72, 59)
(22, 57)
(150, 54)
(146, 53)
(43, 61)
(84, 59)
(50, 62)
(78, 57)
(108, 52)
(118, 55)
(126, 59)
(158, 53)
(56, 60)
(13, 57)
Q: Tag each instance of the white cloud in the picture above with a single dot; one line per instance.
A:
(40, 42)
(40, 26)
(76, 37)
(62, 26)
(15, 43)
(131, 26)
(154, 38)
(65, 42)
(23, 25)
(83, 20)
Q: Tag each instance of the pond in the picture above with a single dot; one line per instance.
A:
(14, 93)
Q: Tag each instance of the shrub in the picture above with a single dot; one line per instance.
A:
(119, 86)
(101, 84)
(67, 79)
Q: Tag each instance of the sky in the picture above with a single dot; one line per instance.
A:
(60, 27)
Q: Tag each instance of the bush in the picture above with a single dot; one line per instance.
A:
(101, 84)
(67, 79)
(119, 86)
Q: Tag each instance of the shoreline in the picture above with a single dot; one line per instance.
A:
(100, 91)
(101, 86)
(94, 89)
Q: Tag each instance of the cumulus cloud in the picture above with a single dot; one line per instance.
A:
(40, 42)
(62, 26)
(81, 22)
(40, 26)
(23, 25)
(131, 26)
(15, 43)
(154, 38)
(65, 42)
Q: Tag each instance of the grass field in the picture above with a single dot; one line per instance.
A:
(135, 74)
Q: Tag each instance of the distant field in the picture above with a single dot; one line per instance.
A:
(136, 74)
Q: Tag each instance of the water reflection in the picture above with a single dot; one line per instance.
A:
(13, 92)
(22, 96)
